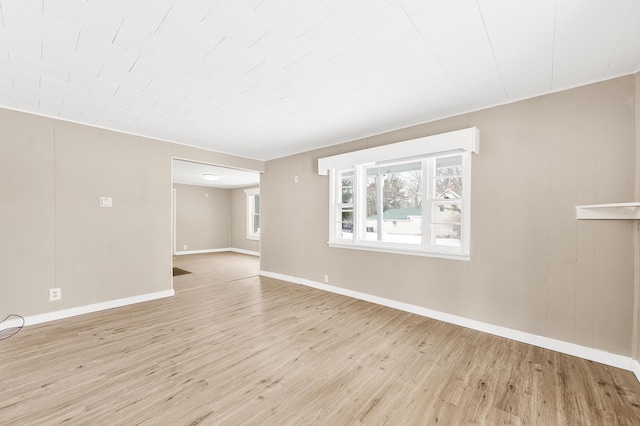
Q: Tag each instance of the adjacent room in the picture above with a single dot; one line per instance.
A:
(322, 212)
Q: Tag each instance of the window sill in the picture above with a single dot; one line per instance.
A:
(403, 251)
(254, 238)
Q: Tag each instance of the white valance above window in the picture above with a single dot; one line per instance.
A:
(457, 141)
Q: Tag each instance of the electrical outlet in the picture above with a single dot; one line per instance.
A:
(184, 247)
(55, 294)
(326, 279)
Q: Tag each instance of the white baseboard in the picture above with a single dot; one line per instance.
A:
(219, 250)
(243, 251)
(87, 309)
(635, 367)
(573, 349)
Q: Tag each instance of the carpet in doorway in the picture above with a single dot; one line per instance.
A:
(178, 271)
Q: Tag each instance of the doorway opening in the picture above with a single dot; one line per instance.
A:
(211, 211)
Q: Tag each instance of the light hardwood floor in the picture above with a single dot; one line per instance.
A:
(234, 348)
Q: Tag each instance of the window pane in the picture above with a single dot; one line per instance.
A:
(345, 192)
(256, 224)
(447, 188)
(449, 166)
(256, 204)
(447, 235)
(395, 189)
(345, 226)
(447, 213)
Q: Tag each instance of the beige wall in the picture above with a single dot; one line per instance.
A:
(203, 215)
(54, 234)
(239, 222)
(533, 266)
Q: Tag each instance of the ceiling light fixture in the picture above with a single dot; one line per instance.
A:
(209, 176)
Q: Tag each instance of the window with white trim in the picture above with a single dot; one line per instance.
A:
(253, 213)
(412, 197)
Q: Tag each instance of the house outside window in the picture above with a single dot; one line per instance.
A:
(253, 213)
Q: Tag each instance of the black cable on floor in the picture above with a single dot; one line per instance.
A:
(11, 330)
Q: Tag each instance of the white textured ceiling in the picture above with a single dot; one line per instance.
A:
(267, 78)
(191, 173)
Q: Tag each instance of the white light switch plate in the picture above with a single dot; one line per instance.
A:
(105, 202)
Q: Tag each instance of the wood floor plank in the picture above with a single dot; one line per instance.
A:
(235, 348)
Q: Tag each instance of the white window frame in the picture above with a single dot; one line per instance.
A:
(426, 150)
(251, 207)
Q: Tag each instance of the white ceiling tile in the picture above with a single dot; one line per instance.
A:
(329, 38)
(299, 90)
(627, 53)
(165, 90)
(26, 77)
(80, 103)
(44, 68)
(64, 88)
(21, 42)
(176, 108)
(89, 116)
(354, 11)
(6, 84)
(84, 81)
(198, 102)
(100, 98)
(356, 61)
(33, 5)
(85, 16)
(413, 6)
(54, 85)
(121, 76)
(238, 22)
(293, 16)
(584, 35)
(104, 121)
(270, 75)
(459, 40)
(233, 57)
(232, 81)
(283, 107)
(409, 52)
(532, 25)
(69, 112)
(129, 94)
(183, 36)
(69, 59)
(133, 38)
(101, 50)
(8, 99)
(39, 26)
(230, 98)
(145, 14)
(197, 9)
(50, 95)
(385, 28)
(147, 67)
(279, 48)
(197, 86)
(263, 94)
(26, 101)
(312, 68)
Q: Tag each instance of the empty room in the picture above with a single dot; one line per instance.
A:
(319, 212)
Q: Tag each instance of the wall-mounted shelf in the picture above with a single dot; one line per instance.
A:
(609, 211)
